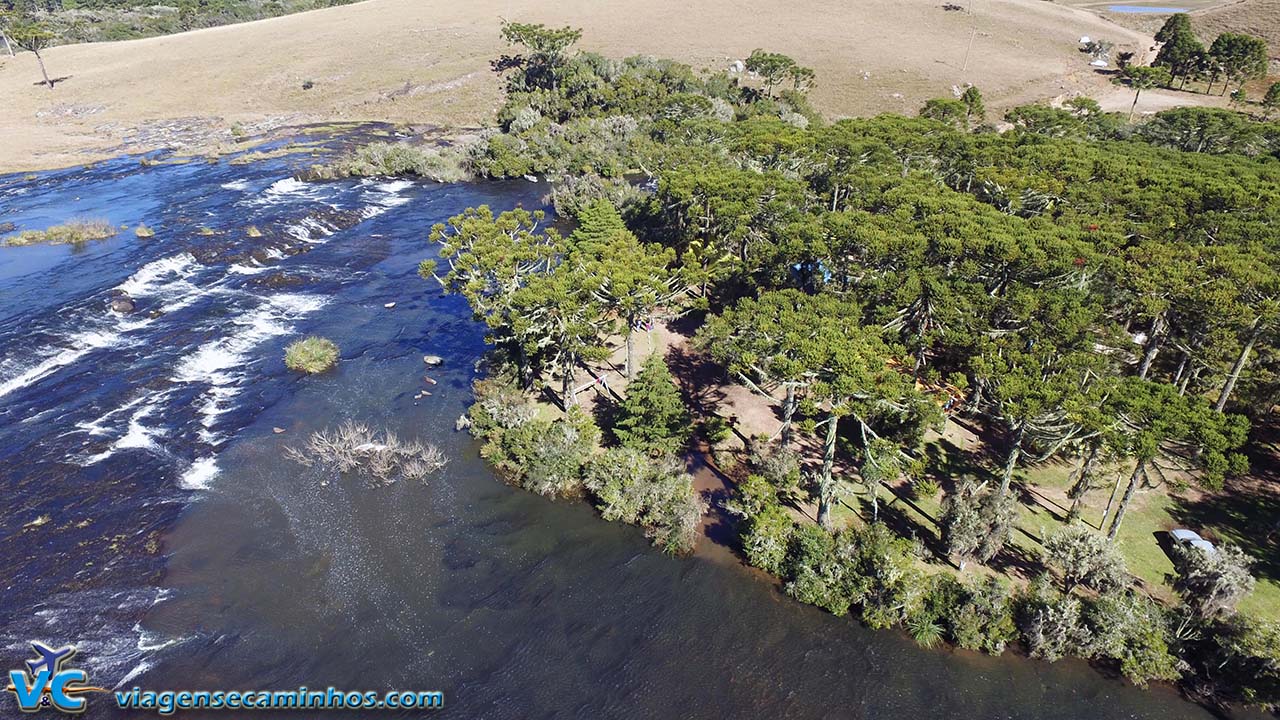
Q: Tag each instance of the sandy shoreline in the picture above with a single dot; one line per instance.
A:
(427, 62)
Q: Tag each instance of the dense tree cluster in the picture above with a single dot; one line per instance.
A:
(1079, 289)
(76, 21)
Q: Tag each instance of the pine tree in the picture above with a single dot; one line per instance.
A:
(653, 416)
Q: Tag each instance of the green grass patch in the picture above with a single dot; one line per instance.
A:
(311, 355)
(385, 159)
(76, 232)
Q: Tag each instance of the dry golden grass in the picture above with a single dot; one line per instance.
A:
(75, 232)
(427, 61)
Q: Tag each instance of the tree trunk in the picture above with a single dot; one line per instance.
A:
(44, 72)
(1153, 345)
(875, 500)
(1015, 451)
(1235, 372)
(566, 385)
(8, 48)
(788, 411)
(1128, 497)
(1134, 106)
(631, 350)
(1081, 487)
(826, 484)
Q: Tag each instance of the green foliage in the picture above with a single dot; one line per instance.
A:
(1212, 583)
(1082, 557)
(1051, 622)
(766, 536)
(976, 522)
(547, 456)
(311, 355)
(1244, 660)
(1133, 630)
(75, 232)
(981, 617)
(383, 159)
(658, 495)
(653, 417)
(1239, 57)
(948, 110)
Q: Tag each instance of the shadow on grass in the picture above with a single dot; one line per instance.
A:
(1248, 516)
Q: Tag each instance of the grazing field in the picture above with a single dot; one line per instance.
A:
(428, 62)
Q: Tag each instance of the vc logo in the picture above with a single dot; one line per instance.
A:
(46, 683)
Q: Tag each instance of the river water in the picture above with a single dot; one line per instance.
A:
(152, 521)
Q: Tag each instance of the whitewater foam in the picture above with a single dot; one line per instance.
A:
(199, 474)
(82, 343)
(221, 363)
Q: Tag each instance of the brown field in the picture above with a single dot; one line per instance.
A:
(1260, 18)
(426, 62)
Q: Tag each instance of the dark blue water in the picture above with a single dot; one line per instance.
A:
(152, 520)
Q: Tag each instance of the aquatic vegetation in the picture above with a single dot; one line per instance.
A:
(76, 232)
(386, 159)
(380, 455)
(142, 231)
(311, 355)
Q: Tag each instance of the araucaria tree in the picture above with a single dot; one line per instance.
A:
(34, 37)
(653, 417)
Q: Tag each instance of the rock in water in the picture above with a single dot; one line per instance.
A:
(122, 305)
(389, 305)
(433, 360)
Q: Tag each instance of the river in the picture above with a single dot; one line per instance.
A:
(153, 522)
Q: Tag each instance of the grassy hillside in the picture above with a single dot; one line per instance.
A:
(427, 61)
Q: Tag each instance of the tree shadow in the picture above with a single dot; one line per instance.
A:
(947, 464)
(52, 81)
(1013, 558)
(1247, 515)
(699, 378)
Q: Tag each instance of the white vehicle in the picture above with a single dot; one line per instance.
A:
(1188, 538)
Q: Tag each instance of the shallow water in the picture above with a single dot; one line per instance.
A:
(1144, 9)
(182, 551)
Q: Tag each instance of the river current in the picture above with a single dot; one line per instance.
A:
(152, 520)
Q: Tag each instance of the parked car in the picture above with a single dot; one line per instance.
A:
(1189, 538)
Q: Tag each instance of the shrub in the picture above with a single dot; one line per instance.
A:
(75, 232)
(1083, 557)
(765, 538)
(311, 355)
(814, 574)
(1051, 622)
(546, 456)
(1132, 630)
(383, 159)
(654, 493)
(1211, 584)
(982, 619)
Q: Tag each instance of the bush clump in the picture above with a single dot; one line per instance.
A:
(656, 495)
(75, 232)
(384, 159)
(311, 355)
